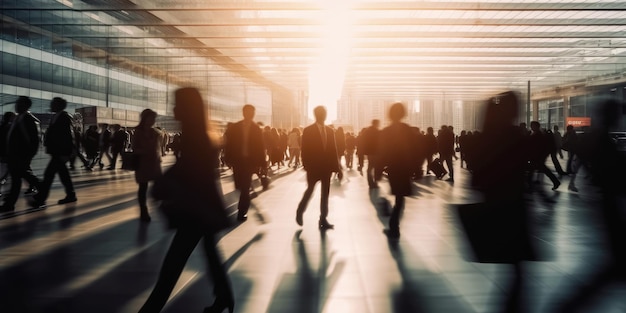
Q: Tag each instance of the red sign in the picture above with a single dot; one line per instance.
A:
(578, 121)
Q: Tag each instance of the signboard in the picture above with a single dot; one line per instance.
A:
(578, 121)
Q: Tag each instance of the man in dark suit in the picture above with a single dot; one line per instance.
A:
(59, 142)
(319, 158)
(371, 138)
(22, 145)
(245, 152)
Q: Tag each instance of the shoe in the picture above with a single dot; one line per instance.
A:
(393, 235)
(101, 166)
(68, 199)
(572, 188)
(242, 217)
(88, 169)
(110, 168)
(219, 306)
(37, 203)
(6, 208)
(31, 192)
(556, 185)
(299, 217)
(324, 224)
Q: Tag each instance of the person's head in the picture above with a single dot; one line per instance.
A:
(556, 128)
(320, 114)
(147, 118)
(104, 126)
(58, 104)
(535, 126)
(8, 117)
(116, 127)
(430, 130)
(501, 111)
(376, 123)
(248, 112)
(189, 110)
(397, 112)
(569, 128)
(22, 104)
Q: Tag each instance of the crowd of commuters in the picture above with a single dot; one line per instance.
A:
(503, 159)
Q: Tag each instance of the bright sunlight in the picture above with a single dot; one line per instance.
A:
(327, 73)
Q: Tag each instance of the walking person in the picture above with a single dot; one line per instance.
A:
(371, 137)
(397, 149)
(244, 150)
(22, 145)
(59, 142)
(319, 158)
(118, 144)
(540, 147)
(198, 169)
(104, 144)
(445, 145)
(7, 120)
(147, 146)
(294, 147)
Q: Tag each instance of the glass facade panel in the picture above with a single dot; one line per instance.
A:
(550, 112)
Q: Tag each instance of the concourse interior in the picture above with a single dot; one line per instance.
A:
(96, 256)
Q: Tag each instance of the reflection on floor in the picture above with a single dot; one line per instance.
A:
(95, 255)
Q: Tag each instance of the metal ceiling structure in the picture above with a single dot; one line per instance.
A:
(409, 49)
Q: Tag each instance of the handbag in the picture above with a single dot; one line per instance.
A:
(130, 160)
(188, 205)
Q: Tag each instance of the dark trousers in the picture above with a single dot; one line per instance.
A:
(361, 159)
(371, 174)
(311, 180)
(76, 153)
(182, 246)
(557, 165)
(114, 155)
(242, 174)
(448, 160)
(56, 165)
(541, 167)
(142, 197)
(396, 212)
(19, 169)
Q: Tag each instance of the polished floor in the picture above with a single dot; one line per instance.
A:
(95, 255)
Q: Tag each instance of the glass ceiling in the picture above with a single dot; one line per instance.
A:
(408, 49)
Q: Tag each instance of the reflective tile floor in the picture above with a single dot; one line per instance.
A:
(95, 255)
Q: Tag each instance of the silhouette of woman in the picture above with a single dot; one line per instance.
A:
(146, 146)
(198, 165)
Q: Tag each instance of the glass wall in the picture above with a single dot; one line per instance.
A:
(550, 113)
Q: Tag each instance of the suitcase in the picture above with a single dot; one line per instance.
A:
(437, 168)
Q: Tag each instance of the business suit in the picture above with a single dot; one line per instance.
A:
(22, 145)
(245, 152)
(320, 161)
(59, 142)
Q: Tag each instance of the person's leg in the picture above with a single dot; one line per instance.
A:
(182, 245)
(557, 165)
(222, 288)
(66, 179)
(306, 196)
(16, 170)
(243, 181)
(394, 219)
(142, 198)
(450, 166)
(325, 193)
(48, 177)
(371, 164)
(544, 169)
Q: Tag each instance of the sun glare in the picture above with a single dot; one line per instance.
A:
(327, 73)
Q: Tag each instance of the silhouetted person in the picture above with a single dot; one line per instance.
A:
(371, 137)
(397, 149)
(430, 144)
(245, 152)
(294, 141)
(198, 165)
(59, 142)
(499, 173)
(90, 143)
(147, 146)
(599, 151)
(541, 145)
(104, 144)
(119, 138)
(7, 120)
(319, 158)
(22, 145)
(76, 151)
(445, 146)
